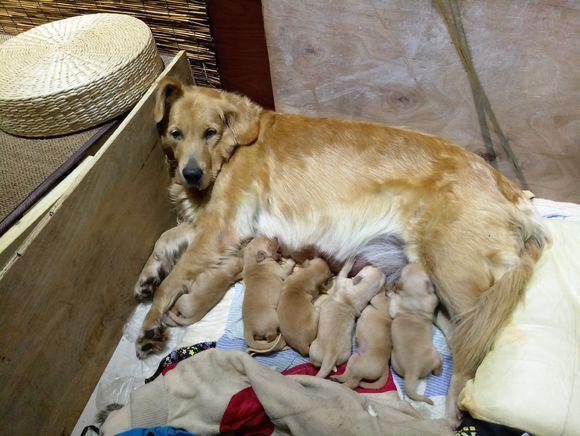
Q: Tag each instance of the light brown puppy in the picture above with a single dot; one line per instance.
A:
(413, 309)
(333, 343)
(190, 307)
(263, 277)
(373, 337)
(296, 313)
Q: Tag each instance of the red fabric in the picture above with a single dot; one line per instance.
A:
(309, 369)
(245, 415)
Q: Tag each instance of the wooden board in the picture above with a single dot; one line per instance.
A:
(393, 61)
(66, 295)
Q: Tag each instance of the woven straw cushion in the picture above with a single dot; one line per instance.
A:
(73, 74)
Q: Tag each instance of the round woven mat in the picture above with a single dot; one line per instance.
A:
(73, 74)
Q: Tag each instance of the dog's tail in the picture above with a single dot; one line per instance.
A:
(477, 328)
(378, 383)
(411, 389)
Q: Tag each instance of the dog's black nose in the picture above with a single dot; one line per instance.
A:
(192, 173)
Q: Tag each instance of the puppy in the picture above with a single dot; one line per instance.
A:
(263, 277)
(412, 309)
(193, 306)
(333, 342)
(373, 336)
(296, 313)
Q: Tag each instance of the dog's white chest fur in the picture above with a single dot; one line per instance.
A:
(338, 230)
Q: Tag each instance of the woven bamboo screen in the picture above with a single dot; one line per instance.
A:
(176, 24)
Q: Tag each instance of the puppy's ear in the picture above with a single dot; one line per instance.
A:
(168, 90)
(356, 280)
(241, 117)
(261, 256)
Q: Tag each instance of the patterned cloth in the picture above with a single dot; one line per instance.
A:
(169, 361)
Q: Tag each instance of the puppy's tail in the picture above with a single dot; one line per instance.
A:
(477, 328)
(411, 389)
(346, 268)
(326, 368)
(378, 383)
(172, 319)
(265, 347)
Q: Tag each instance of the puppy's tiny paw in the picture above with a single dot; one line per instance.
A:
(151, 342)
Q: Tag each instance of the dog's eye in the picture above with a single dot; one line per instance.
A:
(209, 133)
(176, 134)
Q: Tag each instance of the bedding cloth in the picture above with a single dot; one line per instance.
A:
(223, 324)
(531, 377)
(216, 390)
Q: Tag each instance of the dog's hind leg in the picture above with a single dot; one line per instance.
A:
(167, 251)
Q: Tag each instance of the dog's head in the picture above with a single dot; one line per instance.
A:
(201, 127)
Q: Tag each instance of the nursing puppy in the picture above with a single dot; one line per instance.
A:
(373, 337)
(412, 309)
(263, 277)
(333, 343)
(188, 309)
(296, 313)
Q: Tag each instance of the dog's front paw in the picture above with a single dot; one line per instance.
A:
(145, 287)
(149, 280)
(151, 342)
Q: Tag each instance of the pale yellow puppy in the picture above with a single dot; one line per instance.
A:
(263, 277)
(333, 342)
(412, 309)
(297, 315)
(373, 336)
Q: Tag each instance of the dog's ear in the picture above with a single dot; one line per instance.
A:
(168, 90)
(261, 256)
(241, 117)
(356, 280)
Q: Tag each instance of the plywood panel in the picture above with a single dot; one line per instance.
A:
(393, 61)
(66, 296)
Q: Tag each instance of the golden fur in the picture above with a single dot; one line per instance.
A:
(335, 185)
(373, 337)
(296, 313)
(413, 310)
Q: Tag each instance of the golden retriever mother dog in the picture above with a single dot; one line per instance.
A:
(340, 186)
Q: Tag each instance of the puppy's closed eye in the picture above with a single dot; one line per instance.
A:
(356, 280)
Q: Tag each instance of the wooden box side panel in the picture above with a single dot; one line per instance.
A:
(65, 298)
